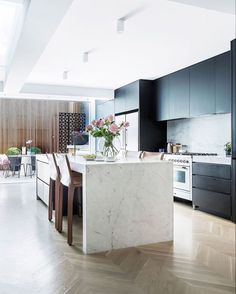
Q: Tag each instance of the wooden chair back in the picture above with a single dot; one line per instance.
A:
(152, 155)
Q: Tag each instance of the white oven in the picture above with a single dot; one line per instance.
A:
(182, 175)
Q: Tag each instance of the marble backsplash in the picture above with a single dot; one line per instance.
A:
(201, 134)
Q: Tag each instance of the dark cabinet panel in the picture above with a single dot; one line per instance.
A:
(132, 96)
(216, 203)
(161, 92)
(202, 88)
(223, 83)
(179, 94)
(212, 184)
(120, 100)
(127, 98)
(212, 170)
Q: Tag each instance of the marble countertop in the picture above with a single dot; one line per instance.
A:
(213, 159)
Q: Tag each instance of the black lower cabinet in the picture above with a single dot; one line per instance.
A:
(212, 188)
(212, 202)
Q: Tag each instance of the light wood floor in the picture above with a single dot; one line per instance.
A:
(34, 258)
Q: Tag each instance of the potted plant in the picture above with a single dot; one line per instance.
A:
(228, 148)
(107, 129)
(13, 151)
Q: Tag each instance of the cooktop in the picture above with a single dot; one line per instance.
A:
(195, 154)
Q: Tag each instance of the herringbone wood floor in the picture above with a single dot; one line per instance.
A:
(34, 258)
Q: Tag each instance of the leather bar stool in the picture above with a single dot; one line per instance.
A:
(152, 155)
(72, 180)
(53, 188)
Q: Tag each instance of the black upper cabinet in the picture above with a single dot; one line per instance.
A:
(202, 88)
(179, 94)
(223, 83)
(120, 100)
(161, 93)
(131, 96)
(127, 98)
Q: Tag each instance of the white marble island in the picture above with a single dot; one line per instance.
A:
(125, 203)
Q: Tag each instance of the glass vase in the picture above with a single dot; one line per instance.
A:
(109, 149)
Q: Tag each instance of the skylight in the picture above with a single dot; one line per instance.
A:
(8, 20)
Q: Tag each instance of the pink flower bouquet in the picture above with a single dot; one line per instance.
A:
(107, 128)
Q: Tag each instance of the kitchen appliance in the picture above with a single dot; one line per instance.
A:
(182, 172)
(129, 137)
(233, 127)
(182, 175)
(169, 147)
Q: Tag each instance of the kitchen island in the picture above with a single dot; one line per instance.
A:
(125, 203)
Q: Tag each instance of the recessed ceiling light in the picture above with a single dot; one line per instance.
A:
(65, 74)
(85, 57)
(120, 25)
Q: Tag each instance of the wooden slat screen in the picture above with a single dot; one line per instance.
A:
(22, 119)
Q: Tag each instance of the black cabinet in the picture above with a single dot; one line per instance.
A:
(120, 100)
(179, 94)
(161, 93)
(223, 82)
(221, 171)
(139, 96)
(132, 96)
(212, 188)
(212, 202)
(127, 98)
(202, 88)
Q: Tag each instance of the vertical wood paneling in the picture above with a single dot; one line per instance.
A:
(37, 120)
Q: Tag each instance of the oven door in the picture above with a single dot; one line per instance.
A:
(182, 177)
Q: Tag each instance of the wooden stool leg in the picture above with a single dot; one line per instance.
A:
(60, 210)
(56, 203)
(50, 200)
(70, 214)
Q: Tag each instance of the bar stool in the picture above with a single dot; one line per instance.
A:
(72, 180)
(53, 187)
(152, 155)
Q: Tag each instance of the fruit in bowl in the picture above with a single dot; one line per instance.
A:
(89, 156)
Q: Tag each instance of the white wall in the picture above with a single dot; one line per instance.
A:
(201, 134)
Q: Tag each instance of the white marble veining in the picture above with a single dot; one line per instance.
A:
(201, 134)
(213, 159)
(126, 203)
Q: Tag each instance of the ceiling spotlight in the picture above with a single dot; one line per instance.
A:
(85, 57)
(120, 25)
(65, 75)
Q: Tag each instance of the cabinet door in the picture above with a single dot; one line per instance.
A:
(202, 88)
(223, 83)
(216, 203)
(161, 88)
(120, 100)
(179, 94)
(132, 96)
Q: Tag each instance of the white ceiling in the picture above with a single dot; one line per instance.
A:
(160, 37)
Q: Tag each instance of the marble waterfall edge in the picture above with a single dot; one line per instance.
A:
(127, 205)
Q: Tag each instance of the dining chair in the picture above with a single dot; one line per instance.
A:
(15, 165)
(152, 155)
(73, 181)
(31, 165)
(53, 187)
